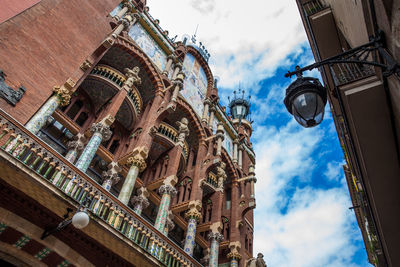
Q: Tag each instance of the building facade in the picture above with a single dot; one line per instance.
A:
(102, 112)
(365, 105)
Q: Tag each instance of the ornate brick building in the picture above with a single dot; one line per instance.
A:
(101, 112)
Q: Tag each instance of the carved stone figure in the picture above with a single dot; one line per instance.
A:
(259, 262)
(132, 77)
(183, 129)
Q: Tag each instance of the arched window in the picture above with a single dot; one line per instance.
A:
(184, 190)
(80, 109)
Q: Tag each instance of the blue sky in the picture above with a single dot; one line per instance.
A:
(302, 216)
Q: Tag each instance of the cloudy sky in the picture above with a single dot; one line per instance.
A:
(302, 216)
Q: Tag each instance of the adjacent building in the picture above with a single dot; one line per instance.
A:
(365, 104)
(102, 112)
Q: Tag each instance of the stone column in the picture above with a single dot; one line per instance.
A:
(207, 104)
(240, 156)
(234, 254)
(137, 163)
(221, 176)
(178, 85)
(220, 137)
(124, 23)
(170, 59)
(178, 68)
(75, 147)
(193, 215)
(122, 12)
(61, 97)
(235, 150)
(212, 115)
(140, 202)
(215, 238)
(252, 180)
(167, 190)
(111, 176)
(101, 132)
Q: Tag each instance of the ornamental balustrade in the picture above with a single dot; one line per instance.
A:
(172, 134)
(53, 168)
(118, 79)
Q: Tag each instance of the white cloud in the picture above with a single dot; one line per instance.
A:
(333, 170)
(246, 40)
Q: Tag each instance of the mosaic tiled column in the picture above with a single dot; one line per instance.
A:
(138, 164)
(140, 201)
(215, 238)
(61, 97)
(234, 254)
(167, 191)
(193, 215)
(101, 132)
(111, 176)
(75, 147)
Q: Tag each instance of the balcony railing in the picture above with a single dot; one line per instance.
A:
(312, 7)
(343, 73)
(55, 169)
(172, 134)
(118, 79)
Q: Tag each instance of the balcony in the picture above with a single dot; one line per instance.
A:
(344, 73)
(55, 173)
(166, 130)
(116, 78)
(209, 184)
(312, 7)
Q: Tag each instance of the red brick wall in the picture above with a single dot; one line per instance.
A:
(44, 45)
(10, 8)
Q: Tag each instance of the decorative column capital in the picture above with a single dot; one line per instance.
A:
(215, 236)
(194, 210)
(77, 143)
(112, 173)
(234, 250)
(179, 83)
(64, 91)
(167, 189)
(103, 127)
(137, 161)
(178, 65)
(207, 101)
(212, 108)
(172, 57)
(140, 200)
(132, 77)
(236, 141)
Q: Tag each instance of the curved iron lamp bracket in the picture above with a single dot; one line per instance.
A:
(360, 55)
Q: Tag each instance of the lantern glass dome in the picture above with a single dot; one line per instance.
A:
(80, 220)
(239, 111)
(308, 109)
(306, 99)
